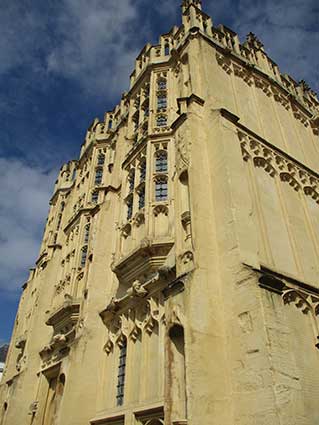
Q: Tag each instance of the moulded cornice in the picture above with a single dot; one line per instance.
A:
(92, 210)
(235, 120)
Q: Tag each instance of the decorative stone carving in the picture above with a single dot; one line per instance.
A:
(137, 290)
(225, 62)
(64, 322)
(274, 163)
(187, 257)
(244, 74)
(126, 230)
(160, 209)
(141, 317)
(139, 218)
(302, 300)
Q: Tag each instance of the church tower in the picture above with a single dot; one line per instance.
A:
(177, 280)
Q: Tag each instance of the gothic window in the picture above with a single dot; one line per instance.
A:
(121, 374)
(98, 175)
(161, 162)
(166, 49)
(129, 204)
(86, 233)
(74, 174)
(101, 159)
(161, 84)
(161, 189)
(95, 197)
(161, 121)
(110, 124)
(141, 198)
(143, 170)
(161, 101)
(62, 206)
(84, 253)
(131, 180)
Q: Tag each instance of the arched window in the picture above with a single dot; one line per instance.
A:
(161, 121)
(84, 253)
(161, 165)
(161, 101)
(62, 206)
(110, 124)
(121, 374)
(98, 176)
(166, 49)
(101, 159)
(161, 188)
(95, 197)
(86, 233)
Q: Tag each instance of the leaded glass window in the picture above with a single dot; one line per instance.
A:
(161, 162)
(162, 101)
(95, 197)
(101, 159)
(87, 233)
(98, 176)
(84, 252)
(161, 189)
(161, 84)
(161, 121)
(121, 375)
(131, 180)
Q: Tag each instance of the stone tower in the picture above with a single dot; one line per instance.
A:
(177, 281)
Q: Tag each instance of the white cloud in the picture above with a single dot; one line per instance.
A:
(96, 45)
(25, 193)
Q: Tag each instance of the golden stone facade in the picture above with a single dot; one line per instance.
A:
(177, 281)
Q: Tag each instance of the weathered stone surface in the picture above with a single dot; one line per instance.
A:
(177, 280)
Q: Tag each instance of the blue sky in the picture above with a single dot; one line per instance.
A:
(63, 63)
